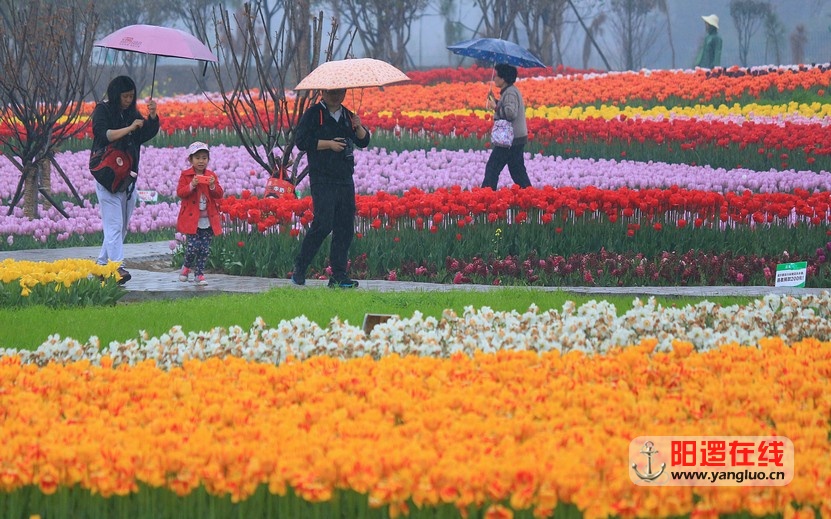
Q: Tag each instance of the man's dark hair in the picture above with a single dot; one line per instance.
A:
(506, 72)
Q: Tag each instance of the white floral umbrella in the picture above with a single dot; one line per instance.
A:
(352, 73)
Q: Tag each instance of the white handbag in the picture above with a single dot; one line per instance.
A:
(502, 134)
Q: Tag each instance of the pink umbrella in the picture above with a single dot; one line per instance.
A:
(157, 41)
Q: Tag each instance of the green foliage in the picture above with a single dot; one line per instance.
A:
(374, 253)
(30, 327)
(86, 292)
(159, 503)
(254, 254)
(28, 242)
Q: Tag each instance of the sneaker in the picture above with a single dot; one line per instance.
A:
(200, 280)
(183, 277)
(342, 283)
(298, 277)
(123, 275)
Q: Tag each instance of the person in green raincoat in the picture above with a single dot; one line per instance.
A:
(710, 54)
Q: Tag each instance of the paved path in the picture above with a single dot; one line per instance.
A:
(148, 284)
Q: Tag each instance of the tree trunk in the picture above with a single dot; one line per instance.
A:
(46, 179)
(548, 47)
(30, 191)
(302, 21)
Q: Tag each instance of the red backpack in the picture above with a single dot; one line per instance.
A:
(111, 167)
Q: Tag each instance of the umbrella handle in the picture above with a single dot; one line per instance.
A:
(357, 109)
(490, 85)
(153, 82)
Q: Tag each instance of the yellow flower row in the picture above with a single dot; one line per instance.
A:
(532, 430)
(747, 111)
(63, 273)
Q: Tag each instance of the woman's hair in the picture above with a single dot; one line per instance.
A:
(118, 86)
(506, 72)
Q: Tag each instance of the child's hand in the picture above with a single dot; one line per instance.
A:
(194, 183)
(211, 182)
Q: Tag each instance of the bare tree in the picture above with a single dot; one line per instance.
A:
(543, 22)
(595, 29)
(184, 10)
(774, 36)
(635, 30)
(384, 27)
(254, 78)
(45, 51)
(499, 17)
(453, 29)
(748, 16)
(336, 11)
(799, 39)
(299, 38)
(663, 6)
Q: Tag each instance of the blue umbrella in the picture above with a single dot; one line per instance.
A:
(496, 50)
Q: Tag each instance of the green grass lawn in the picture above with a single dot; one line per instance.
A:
(28, 328)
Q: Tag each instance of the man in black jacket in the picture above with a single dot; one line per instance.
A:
(329, 133)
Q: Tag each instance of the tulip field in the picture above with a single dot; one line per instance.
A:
(681, 177)
(657, 177)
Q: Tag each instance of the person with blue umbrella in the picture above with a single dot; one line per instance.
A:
(510, 134)
(511, 108)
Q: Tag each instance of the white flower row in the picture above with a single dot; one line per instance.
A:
(593, 328)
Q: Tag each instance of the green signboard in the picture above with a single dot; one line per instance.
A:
(791, 274)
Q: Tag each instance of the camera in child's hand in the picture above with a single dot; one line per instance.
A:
(203, 179)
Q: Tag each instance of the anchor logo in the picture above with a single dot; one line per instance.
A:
(648, 450)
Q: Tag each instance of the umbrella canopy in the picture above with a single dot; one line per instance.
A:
(157, 41)
(496, 50)
(352, 73)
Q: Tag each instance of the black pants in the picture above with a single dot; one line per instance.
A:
(515, 161)
(334, 212)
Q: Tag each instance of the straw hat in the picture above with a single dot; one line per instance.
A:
(711, 19)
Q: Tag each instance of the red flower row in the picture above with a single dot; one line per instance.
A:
(455, 207)
(484, 74)
(685, 134)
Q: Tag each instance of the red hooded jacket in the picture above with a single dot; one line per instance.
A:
(189, 209)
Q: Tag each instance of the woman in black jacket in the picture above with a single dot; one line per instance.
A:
(117, 120)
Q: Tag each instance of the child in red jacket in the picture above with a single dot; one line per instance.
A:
(199, 218)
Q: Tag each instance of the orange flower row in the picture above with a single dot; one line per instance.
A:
(574, 90)
(662, 86)
(528, 429)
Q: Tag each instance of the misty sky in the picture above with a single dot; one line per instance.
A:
(427, 47)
